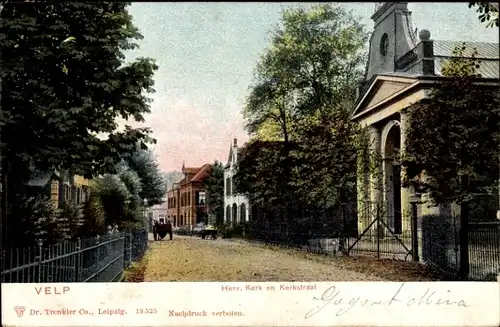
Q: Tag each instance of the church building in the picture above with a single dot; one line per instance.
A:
(403, 65)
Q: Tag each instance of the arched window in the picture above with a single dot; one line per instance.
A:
(228, 214)
(234, 214)
(228, 186)
(243, 212)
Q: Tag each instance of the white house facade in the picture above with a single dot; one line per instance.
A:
(156, 213)
(236, 206)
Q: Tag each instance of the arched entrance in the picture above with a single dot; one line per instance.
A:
(391, 145)
(235, 214)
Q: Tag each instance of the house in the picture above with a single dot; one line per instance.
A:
(236, 206)
(62, 186)
(402, 68)
(186, 200)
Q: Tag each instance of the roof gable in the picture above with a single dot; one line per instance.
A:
(202, 174)
(381, 89)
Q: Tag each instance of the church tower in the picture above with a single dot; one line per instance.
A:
(393, 35)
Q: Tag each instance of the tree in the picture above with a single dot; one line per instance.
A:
(310, 68)
(327, 155)
(114, 196)
(488, 12)
(258, 172)
(455, 134)
(214, 186)
(145, 164)
(64, 83)
(305, 86)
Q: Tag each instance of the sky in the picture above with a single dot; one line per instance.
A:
(207, 52)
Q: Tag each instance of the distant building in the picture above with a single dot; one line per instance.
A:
(157, 213)
(236, 206)
(63, 187)
(186, 200)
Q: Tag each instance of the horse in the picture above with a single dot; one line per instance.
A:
(161, 229)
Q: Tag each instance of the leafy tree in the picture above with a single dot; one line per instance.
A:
(114, 196)
(309, 69)
(258, 172)
(304, 90)
(214, 186)
(94, 216)
(64, 83)
(327, 155)
(455, 133)
(488, 12)
(153, 187)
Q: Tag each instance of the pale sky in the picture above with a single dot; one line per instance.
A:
(206, 53)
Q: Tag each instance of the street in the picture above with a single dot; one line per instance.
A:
(191, 259)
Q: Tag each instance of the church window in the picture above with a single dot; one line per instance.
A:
(384, 44)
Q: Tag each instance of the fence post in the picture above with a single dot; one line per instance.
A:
(98, 248)
(464, 233)
(39, 259)
(414, 231)
(130, 244)
(464, 241)
(78, 259)
(378, 230)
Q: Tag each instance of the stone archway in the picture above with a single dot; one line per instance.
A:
(391, 168)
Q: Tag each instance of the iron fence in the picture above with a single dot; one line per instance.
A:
(97, 259)
(441, 247)
(433, 240)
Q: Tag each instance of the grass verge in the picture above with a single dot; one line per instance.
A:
(135, 273)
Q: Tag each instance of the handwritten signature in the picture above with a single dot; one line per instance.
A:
(332, 296)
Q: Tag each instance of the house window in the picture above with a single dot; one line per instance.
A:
(54, 191)
(228, 186)
(78, 196)
(201, 197)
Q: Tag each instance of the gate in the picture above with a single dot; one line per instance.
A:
(378, 239)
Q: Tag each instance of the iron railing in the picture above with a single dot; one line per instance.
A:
(96, 259)
(387, 234)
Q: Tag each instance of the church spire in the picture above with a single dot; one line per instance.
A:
(183, 165)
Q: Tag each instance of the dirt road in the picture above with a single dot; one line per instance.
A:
(193, 259)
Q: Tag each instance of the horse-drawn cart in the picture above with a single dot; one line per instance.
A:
(209, 231)
(161, 229)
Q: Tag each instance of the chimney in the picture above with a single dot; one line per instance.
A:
(235, 142)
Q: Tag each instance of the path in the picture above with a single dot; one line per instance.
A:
(193, 259)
